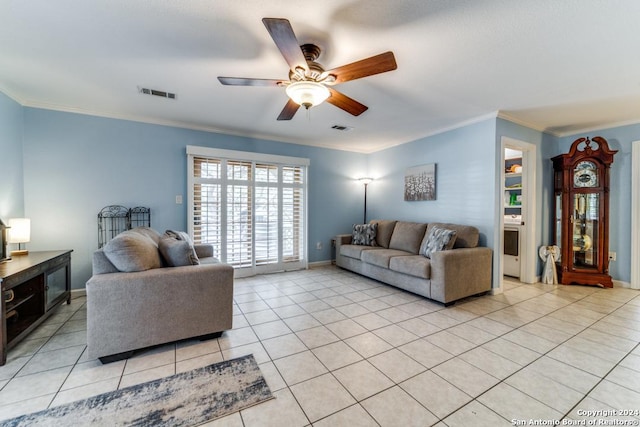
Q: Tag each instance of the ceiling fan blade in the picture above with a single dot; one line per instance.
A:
(284, 37)
(289, 110)
(239, 81)
(365, 67)
(342, 101)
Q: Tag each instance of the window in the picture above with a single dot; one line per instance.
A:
(250, 207)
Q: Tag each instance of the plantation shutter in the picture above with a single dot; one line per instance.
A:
(207, 209)
(293, 213)
(251, 207)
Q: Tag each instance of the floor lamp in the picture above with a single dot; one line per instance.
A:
(366, 182)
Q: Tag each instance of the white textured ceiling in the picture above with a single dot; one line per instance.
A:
(562, 66)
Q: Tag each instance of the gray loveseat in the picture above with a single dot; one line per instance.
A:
(151, 303)
(396, 257)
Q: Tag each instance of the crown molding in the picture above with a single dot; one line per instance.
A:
(506, 116)
(190, 126)
(12, 96)
(559, 134)
(598, 127)
(172, 123)
(441, 130)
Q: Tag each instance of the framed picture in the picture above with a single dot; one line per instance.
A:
(420, 183)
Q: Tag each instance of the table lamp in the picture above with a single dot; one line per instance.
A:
(19, 231)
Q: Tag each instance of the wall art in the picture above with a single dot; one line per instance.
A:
(420, 183)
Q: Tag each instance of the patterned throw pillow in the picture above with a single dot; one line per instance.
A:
(364, 234)
(439, 239)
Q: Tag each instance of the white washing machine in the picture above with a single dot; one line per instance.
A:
(511, 239)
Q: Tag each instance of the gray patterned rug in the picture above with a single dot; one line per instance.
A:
(185, 399)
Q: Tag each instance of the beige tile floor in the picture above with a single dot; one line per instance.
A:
(339, 349)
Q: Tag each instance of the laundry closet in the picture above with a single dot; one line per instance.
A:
(513, 199)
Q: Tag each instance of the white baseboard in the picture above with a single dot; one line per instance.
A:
(320, 264)
(621, 284)
(77, 293)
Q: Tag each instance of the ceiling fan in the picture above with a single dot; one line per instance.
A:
(309, 83)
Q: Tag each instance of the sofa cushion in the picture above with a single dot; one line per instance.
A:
(385, 230)
(466, 236)
(364, 234)
(381, 257)
(131, 251)
(407, 236)
(355, 251)
(177, 249)
(438, 239)
(413, 265)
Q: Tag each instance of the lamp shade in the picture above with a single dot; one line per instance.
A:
(307, 94)
(19, 230)
(365, 181)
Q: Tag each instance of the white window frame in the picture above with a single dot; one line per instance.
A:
(255, 158)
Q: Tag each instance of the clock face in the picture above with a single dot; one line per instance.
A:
(585, 175)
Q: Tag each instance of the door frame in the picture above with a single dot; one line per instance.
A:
(635, 212)
(528, 252)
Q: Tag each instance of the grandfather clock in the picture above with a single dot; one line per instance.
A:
(581, 214)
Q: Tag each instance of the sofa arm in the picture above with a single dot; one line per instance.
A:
(343, 239)
(459, 273)
(203, 250)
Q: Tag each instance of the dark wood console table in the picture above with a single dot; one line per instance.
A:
(32, 286)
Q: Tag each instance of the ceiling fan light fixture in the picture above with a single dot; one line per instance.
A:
(308, 94)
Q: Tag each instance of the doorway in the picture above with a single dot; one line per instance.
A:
(517, 220)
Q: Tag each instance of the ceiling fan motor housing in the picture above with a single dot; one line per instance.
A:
(314, 71)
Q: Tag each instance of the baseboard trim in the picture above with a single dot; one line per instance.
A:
(318, 264)
(621, 284)
(77, 293)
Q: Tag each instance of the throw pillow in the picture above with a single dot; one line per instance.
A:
(177, 249)
(439, 239)
(149, 232)
(130, 251)
(364, 234)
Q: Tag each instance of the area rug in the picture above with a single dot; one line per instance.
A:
(186, 399)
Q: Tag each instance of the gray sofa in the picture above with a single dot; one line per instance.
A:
(151, 303)
(396, 258)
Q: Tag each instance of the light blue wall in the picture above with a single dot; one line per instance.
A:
(621, 139)
(465, 179)
(76, 164)
(11, 177)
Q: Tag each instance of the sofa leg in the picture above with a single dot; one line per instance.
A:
(115, 357)
(449, 304)
(210, 336)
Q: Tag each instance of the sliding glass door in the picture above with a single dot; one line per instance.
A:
(252, 210)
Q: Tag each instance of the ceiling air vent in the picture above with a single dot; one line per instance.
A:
(342, 128)
(155, 92)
